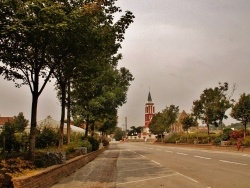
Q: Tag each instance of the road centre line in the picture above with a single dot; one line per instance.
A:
(143, 156)
(202, 157)
(232, 162)
(181, 153)
(147, 179)
(155, 162)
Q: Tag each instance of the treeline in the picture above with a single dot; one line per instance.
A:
(210, 109)
(75, 42)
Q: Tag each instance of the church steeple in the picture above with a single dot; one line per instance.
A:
(149, 110)
(149, 97)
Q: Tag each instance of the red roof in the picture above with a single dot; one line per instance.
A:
(5, 119)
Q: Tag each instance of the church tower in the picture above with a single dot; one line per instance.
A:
(149, 110)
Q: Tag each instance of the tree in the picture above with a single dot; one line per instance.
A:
(212, 105)
(162, 121)
(241, 111)
(30, 33)
(118, 134)
(156, 126)
(34, 38)
(20, 122)
(188, 122)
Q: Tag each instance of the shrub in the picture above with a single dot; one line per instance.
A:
(47, 137)
(105, 142)
(87, 144)
(246, 141)
(43, 160)
(94, 142)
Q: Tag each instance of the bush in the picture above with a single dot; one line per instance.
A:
(43, 160)
(47, 137)
(94, 142)
(87, 144)
(246, 141)
(105, 142)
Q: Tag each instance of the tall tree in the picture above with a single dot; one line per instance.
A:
(241, 110)
(29, 34)
(212, 105)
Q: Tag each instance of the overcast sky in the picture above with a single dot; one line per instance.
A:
(177, 48)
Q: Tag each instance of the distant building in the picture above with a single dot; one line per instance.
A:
(149, 110)
(177, 126)
(3, 120)
(50, 122)
(149, 114)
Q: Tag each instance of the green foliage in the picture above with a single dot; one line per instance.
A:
(156, 125)
(212, 105)
(20, 122)
(87, 144)
(246, 141)
(43, 160)
(241, 111)
(163, 120)
(226, 134)
(48, 136)
(94, 142)
(188, 122)
(118, 134)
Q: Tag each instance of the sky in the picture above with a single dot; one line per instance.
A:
(175, 49)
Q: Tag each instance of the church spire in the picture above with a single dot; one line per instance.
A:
(149, 97)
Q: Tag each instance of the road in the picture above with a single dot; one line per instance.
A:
(149, 165)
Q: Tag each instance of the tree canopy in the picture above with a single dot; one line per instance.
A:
(212, 105)
(241, 110)
(162, 121)
(45, 37)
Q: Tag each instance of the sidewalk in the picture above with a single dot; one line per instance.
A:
(99, 173)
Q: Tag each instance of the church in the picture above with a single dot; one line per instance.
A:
(149, 114)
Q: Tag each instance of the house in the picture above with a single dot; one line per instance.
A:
(49, 121)
(3, 120)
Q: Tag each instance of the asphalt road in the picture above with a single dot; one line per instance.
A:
(147, 165)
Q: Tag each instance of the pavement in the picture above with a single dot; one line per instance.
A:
(99, 173)
(102, 171)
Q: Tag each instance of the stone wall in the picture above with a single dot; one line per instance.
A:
(51, 175)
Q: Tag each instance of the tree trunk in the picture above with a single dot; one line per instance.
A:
(87, 126)
(33, 130)
(92, 128)
(245, 129)
(63, 104)
(68, 114)
(208, 133)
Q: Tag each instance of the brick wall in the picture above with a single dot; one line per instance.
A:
(51, 175)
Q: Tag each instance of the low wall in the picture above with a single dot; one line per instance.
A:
(51, 175)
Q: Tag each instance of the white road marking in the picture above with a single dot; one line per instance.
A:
(202, 157)
(155, 162)
(147, 179)
(188, 177)
(136, 169)
(246, 155)
(142, 156)
(181, 153)
(232, 162)
(168, 151)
